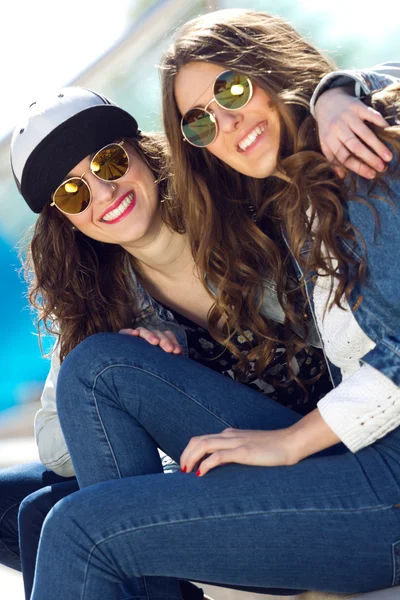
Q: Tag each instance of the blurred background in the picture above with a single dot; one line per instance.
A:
(114, 47)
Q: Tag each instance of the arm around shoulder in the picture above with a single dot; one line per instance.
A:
(364, 81)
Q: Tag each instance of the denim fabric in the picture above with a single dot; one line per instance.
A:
(376, 303)
(364, 82)
(27, 493)
(32, 513)
(16, 483)
(331, 522)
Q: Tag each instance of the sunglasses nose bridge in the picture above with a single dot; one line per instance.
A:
(85, 173)
(206, 108)
(101, 189)
(228, 120)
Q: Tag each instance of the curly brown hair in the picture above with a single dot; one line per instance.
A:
(227, 244)
(80, 286)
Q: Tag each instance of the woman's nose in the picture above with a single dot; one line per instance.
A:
(102, 191)
(228, 120)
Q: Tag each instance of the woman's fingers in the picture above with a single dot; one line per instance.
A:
(165, 339)
(204, 445)
(372, 115)
(357, 148)
(239, 454)
(177, 348)
(369, 137)
(345, 137)
(247, 447)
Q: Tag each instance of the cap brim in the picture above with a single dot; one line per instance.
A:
(69, 143)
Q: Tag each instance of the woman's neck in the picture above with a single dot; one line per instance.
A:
(166, 255)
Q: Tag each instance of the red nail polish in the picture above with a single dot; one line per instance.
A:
(198, 473)
(184, 469)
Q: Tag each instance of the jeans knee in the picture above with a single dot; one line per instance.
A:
(79, 367)
(66, 520)
(9, 540)
(32, 513)
(94, 355)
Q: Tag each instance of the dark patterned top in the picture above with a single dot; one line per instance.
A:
(204, 349)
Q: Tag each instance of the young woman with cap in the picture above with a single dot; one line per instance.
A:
(326, 516)
(78, 301)
(83, 276)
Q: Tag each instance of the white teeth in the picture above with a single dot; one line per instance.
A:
(253, 135)
(121, 208)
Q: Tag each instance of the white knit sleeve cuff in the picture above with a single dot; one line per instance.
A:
(363, 408)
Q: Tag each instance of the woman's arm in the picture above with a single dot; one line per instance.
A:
(344, 135)
(357, 82)
(359, 411)
(281, 447)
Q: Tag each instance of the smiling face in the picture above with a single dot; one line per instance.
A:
(125, 211)
(248, 139)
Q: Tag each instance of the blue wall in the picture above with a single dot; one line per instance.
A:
(21, 365)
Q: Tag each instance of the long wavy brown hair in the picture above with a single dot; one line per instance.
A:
(80, 286)
(231, 249)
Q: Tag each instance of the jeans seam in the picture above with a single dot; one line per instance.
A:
(222, 517)
(104, 369)
(103, 427)
(396, 563)
(164, 381)
(1, 520)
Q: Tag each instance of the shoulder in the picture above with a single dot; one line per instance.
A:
(374, 206)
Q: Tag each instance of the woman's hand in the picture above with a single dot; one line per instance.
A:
(165, 339)
(247, 447)
(345, 138)
(281, 447)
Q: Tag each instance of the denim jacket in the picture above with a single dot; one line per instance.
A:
(376, 303)
(155, 316)
(365, 81)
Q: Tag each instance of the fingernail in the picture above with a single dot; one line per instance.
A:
(184, 469)
(198, 473)
(388, 156)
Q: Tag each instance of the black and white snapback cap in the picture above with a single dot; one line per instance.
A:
(59, 131)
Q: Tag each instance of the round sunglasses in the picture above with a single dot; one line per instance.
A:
(74, 195)
(231, 90)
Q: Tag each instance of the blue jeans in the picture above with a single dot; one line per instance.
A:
(331, 522)
(27, 493)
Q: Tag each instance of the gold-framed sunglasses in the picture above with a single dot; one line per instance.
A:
(74, 195)
(231, 91)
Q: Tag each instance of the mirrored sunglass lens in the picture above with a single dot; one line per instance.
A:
(110, 163)
(199, 127)
(73, 196)
(232, 90)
